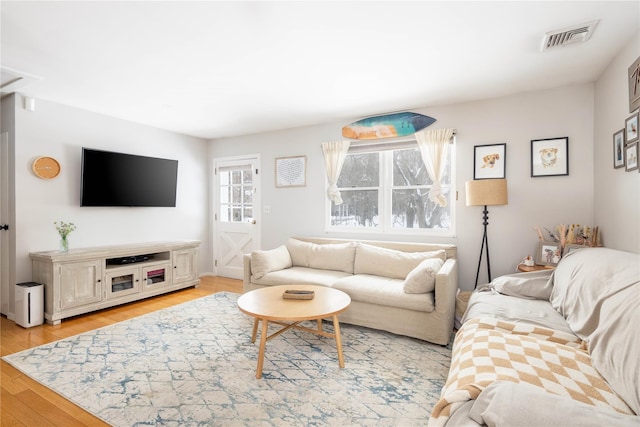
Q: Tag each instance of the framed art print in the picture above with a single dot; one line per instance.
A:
(550, 157)
(572, 248)
(489, 161)
(549, 253)
(618, 149)
(634, 85)
(291, 171)
(631, 156)
(631, 128)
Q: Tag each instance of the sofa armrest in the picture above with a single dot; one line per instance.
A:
(246, 278)
(446, 288)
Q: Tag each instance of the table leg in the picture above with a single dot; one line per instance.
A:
(319, 325)
(263, 342)
(336, 332)
(255, 330)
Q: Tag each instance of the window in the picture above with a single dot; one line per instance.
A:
(236, 194)
(387, 191)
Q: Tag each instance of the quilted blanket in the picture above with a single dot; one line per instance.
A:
(488, 350)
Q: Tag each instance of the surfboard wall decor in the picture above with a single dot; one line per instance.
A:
(387, 126)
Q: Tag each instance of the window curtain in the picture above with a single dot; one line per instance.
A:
(434, 147)
(334, 155)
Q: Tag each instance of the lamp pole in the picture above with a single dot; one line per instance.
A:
(484, 246)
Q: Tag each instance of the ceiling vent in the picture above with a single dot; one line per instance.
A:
(12, 80)
(569, 35)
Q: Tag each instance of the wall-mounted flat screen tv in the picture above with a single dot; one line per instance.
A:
(119, 179)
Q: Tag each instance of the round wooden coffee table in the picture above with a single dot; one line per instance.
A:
(267, 304)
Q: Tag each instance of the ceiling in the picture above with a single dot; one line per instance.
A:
(216, 69)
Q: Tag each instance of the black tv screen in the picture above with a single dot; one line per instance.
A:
(119, 179)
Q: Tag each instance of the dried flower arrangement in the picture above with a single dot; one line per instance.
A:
(573, 234)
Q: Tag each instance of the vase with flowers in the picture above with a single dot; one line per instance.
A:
(64, 229)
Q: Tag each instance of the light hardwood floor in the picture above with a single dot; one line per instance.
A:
(24, 402)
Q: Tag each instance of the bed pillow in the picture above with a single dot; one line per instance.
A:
(532, 285)
(263, 262)
(422, 279)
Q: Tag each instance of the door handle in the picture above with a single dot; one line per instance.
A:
(4, 227)
(252, 221)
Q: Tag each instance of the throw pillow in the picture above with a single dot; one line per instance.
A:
(422, 279)
(263, 262)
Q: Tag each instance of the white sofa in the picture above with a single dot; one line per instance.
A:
(404, 288)
(554, 348)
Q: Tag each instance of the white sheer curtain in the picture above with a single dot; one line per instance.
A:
(434, 147)
(334, 155)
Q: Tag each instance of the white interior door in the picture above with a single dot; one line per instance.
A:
(4, 221)
(236, 213)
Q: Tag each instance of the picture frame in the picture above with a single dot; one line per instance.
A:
(550, 157)
(489, 161)
(631, 156)
(634, 85)
(548, 253)
(618, 149)
(291, 171)
(572, 248)
(631, 128)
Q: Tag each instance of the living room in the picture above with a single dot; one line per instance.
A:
(593, 193)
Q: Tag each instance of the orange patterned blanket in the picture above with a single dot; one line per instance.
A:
(488, 349)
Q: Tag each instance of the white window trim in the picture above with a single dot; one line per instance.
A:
(382, 198)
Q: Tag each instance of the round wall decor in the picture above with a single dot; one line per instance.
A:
(46, 167)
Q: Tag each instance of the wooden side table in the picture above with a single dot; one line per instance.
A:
(526, 269)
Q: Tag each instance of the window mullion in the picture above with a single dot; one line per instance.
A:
(386, 183)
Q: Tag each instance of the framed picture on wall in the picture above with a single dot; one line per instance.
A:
(489, 161)
(550, 157)
(631, 156)
(618, 149)
(631, 127)
(634, 85)
(291, 171)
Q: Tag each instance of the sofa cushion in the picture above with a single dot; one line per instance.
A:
(330, 256)
(534, 285)
(263, 262)
(422, 279)
(300, 275)
(389, 262)
(300, 252)
(383, 291)
(505, 403)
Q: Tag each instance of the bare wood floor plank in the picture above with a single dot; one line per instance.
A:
(25, 402)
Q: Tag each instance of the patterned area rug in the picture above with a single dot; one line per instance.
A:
(194, 365)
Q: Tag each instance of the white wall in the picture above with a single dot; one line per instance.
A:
(61, 131)
(617, 193)
(516, 120)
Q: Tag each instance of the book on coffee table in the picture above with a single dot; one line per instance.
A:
(297, 294)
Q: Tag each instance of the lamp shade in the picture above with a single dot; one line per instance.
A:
(486, 192)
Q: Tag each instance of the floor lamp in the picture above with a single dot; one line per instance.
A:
(486, 192)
